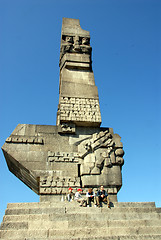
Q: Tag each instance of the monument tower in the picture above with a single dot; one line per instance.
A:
(76, 152)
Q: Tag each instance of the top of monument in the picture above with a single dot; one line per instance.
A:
(78, 94)
(72, 27)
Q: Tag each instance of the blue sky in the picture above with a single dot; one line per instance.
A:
(126, 42)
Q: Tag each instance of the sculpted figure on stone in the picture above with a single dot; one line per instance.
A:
(100, 156)
(75, 44)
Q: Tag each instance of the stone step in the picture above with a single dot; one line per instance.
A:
(114, 223)
(134, 237)
(78, 210)
(112, 210)
(64, 220)
(82, 216)
(44, 225)
(67, 204)
(109, 216)
(27, 217)
(71, 233)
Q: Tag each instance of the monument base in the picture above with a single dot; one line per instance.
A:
(64, 220)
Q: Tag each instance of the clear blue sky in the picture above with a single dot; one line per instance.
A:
(126, 42)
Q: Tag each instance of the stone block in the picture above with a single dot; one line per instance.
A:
(79, 90)
(14, 225)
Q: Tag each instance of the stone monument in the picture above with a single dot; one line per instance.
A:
(76, 152)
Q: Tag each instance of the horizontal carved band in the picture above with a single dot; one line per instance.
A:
(64, 190)
(31, 140)
(52, 182)
(62, 157)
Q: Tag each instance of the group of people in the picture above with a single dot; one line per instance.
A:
(97, 199)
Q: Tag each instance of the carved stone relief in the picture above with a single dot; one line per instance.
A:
(66, 128)
(79, 109)
(75, 44)
(57, 185)
(31, 140)
(99, 152)
(62, 157)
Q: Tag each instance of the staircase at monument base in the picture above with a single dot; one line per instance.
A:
(63, 220)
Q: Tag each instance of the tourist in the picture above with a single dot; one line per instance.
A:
(90, 195)
(79, 198)
(70, 195)
(102, 196)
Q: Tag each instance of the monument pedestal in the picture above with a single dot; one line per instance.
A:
(64, 220)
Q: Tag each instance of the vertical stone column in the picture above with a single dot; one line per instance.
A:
(78, 95)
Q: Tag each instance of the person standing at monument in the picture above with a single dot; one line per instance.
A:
(102, 196)
(90, 195)
(79, 198)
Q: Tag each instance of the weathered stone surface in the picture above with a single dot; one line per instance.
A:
(78, 100)
(90, 159)
(76, 152)
(64, 220)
